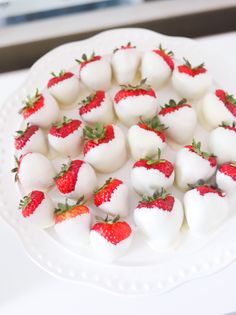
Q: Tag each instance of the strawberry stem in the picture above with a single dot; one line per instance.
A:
(64, 122)
(164, 50)
(141, 86)
(107, 182)
(64, 207)
(151, 161)
(196, 147)
(154, 124)
(88, 99)
(85, 58)
(64, 169)
(24, 202)
(107, 219)
(20, 133)
(172, 103)
(160, 194)
(96, 133)
(188, 64)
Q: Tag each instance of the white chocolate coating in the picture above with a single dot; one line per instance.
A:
(36, 143)
(148, 181)
(191, 87)
(143, 143)
(43, 216)
(75, 230)
(70, 145)
(222, 143)
(225, 182)
(125, 63)
(204, 213)
(36, 172)
(190, 168)
(97, 75)
(107, 251)
(155, 69)
(46, 115)
(131, 109)
(66, 91)
(108, 157)
(181, 124)
(161, 227)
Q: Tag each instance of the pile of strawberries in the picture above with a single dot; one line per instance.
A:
(76, 117)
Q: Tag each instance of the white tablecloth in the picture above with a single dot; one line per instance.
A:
(26, 289)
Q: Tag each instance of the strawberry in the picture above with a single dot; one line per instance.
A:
(180, 119)
(97, 108)
(75, 179)
(110, 238)
(40, 109)
(148, 175)
(130, 100)
(145, 137)
(30, 139)
(228, 100)
(191, 82)
(95, 72)
(64, 87)
(66, 137)
(222, 142)
(113, 197)
(226, 177)
(73, 222)
(193, 164)
(205, 208)
(125, 63)
(104, 144)
(37, 208)
(157, 66)
(160, 218)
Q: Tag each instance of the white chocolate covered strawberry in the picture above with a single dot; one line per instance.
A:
(105, 148)
(64, 87)
(110, 239)
(97, 108)
(159, 217)
(205, 209)
(145, 138)
(191, 82)
(113, 197)
(34, 172)
(148, 175)
(226, 177)
(95, 72)
(72, 222)
(217, 107)
(135, 102)
(180, 120)
(193, 164)
(37, 208)
(222, 142)
(125, 63)
(76, 179)
(41, 109)
(157, 66)
(66, 137)
(30, 139)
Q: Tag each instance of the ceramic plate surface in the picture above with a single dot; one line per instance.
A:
(142, 270)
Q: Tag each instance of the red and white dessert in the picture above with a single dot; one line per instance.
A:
(226, 177)
(125, 63)
(41, 109)
(160, 218)
(191, 82)
(180, 119)
(76, 179)
(113, 197)
(217, 107)
(66, 137)
(34, 172)
(193, 164)
(148, 175)
(146, 137)
(30, 139)
(37, 208)
(157, 66)
(72, 222)
(205, 209)
(110, 238)
(135, 102)
(97, 108)
(105, 148)
(64, 87)
(222, 142)
(95, 72)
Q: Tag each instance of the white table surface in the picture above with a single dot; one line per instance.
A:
(26, 289)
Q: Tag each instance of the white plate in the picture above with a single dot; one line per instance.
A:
(142, 270)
